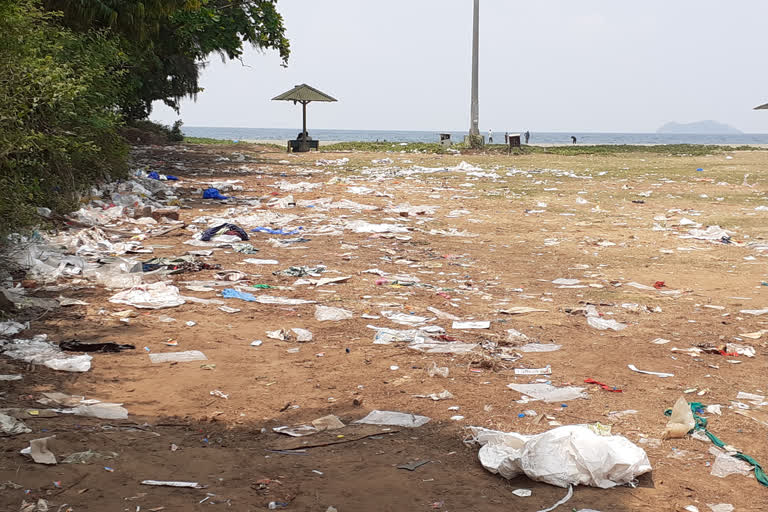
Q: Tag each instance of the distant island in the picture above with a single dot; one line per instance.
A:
(708, 127)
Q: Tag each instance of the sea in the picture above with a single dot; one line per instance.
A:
(498, 138)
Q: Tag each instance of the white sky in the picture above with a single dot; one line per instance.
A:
(546, 65)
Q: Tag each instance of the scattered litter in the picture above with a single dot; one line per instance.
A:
(403, 318)
(603, 386)
(151, 296)
(471, 325)
(88, 456)
(329, 422)
(523, 493)
(564, 456)
(297, 431)
(40, 506)
(565, 499)
(39, 451)
(412, 466)
(443, 395)
(39, 351)
(255, 261)
(177, 357)
(326, 313)
(11, 328)
(658, 374)
(521, 310)
(302, 335)
(602, 324)
(540, 347)
(165, 483)
(79, 346)
(549, 393)
(231, 293)
(681, 421)
(533, 371)
(721, 507)
(285, 301)
(438, 371)
(10, 426)
(725, 464)
(399, 419)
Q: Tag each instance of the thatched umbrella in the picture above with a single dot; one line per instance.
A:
(303, 94)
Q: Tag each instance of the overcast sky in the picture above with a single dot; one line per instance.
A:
(546, 65)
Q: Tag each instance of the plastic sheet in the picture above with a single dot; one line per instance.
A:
(602, 324)
(178, 357)
(549, 393)
(564, 456)
(151, 296)
(10, 426)
(326, 313)
(399, 419)
(39, 351)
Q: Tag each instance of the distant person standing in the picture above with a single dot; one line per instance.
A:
(527, 136)
(490, 136)
(506, 137)
(573, 138)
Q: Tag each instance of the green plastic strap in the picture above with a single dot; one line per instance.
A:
(701, 424)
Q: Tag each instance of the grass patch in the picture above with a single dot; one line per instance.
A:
(612, 149)
(394, 147)
(208, 140)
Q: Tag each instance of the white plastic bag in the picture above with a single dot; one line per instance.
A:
(39, 351)
(569, 455)
(152, 296)
(681, 421)
(399, 419)
(325, 313)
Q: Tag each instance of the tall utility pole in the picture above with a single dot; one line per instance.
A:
(474, 130)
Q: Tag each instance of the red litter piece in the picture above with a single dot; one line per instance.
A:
(604, 386)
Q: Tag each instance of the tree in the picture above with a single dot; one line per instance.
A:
(167, 42)
(58, 112)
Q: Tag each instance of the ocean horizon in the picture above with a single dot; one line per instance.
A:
(458, 136)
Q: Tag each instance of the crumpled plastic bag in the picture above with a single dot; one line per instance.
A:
(39, 351)
(569, 455)
(150, 296)
(326, 313)
(681, 422)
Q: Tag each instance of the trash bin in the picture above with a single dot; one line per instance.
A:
(445, 139)
(514, 140)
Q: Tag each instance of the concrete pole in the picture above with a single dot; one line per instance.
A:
(475, 109)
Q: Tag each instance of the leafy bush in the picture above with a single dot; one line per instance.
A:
(58, 113)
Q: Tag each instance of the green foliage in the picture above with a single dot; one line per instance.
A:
(168, 41)
(611, 149)
(176, 135)
(58, 112)
(208, 140)
(72, 70)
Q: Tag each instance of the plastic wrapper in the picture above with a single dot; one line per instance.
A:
(326, 313)
(681, 422)
(39, 351)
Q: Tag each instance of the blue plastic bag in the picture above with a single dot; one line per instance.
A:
(231, 293)
(277, 231)
(213, 193)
